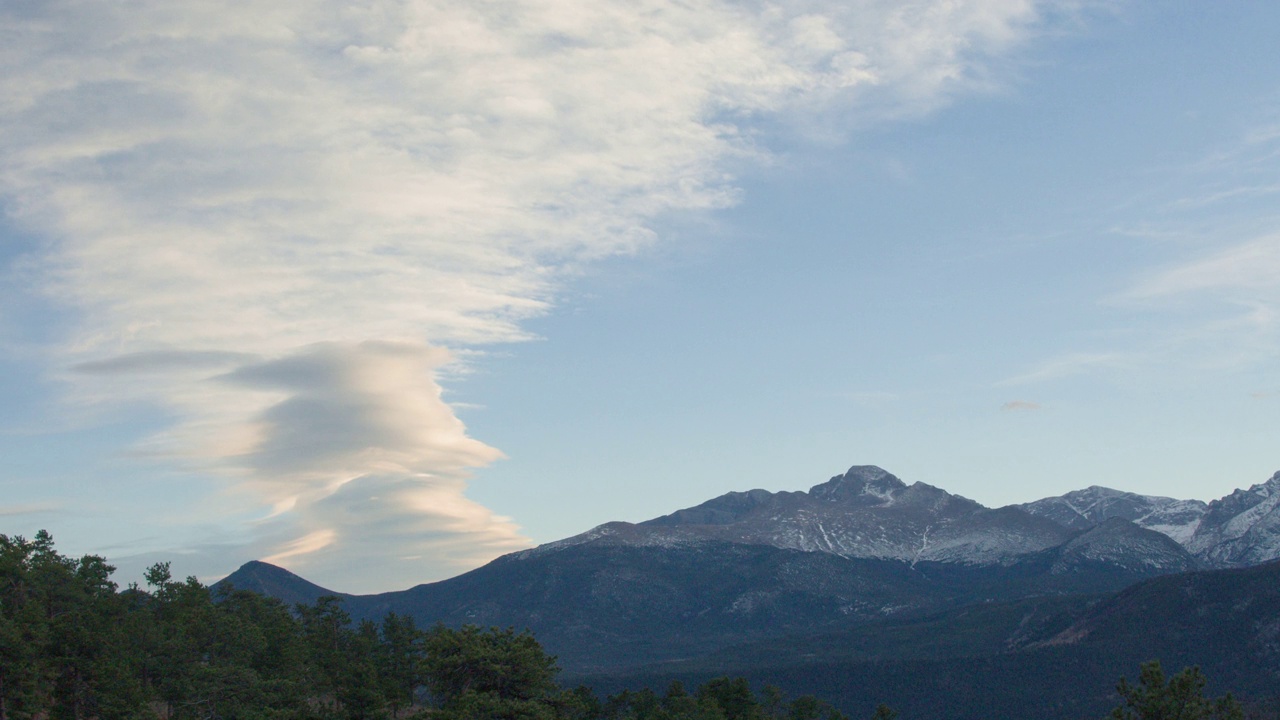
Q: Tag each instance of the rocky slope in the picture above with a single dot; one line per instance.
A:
(747, 566)
(862, 547)
(1081, 509)
(1238, 530)
(1242, 528)
(865, 513)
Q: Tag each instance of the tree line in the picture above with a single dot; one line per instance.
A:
(73, 646)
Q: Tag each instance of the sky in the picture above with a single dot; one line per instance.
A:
(380, 290)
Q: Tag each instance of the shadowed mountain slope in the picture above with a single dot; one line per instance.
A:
(267, 579)
(606, 606)
(752, 567)
(1047, 657)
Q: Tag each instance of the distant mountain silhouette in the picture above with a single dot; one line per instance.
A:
(267, 579)
(864, 573)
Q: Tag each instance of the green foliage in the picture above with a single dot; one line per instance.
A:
(721, 698)
(492, 673)
(400, 656)
(732, 696)
(72, 646)
(884, 712)
(1181, 698)
(75, 647)
(62, 641)
(490, 662)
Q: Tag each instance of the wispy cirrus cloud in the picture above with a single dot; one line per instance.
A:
(28, 509)
(1212, 302)
(1065, 366)
(1247, 271)
(269, 219)
(1223, 289)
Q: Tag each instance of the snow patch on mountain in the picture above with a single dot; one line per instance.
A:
(1242, 528)
(869, 513)
(864, 513)
(1083, 509)
(1121, 543)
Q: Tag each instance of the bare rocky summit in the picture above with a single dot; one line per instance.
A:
(1238, 530)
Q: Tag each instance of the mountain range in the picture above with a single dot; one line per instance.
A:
(869, 513)
(779, 574)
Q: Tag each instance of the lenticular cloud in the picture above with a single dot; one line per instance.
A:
(270, 218)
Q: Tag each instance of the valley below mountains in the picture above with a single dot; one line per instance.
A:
(867, 577)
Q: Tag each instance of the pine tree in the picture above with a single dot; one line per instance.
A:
(1181, 698)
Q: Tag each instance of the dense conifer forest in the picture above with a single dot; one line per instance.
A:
(74, 646)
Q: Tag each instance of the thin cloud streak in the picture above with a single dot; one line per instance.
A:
(265, 218)
(1226, 296)
(1215, 307)
(1021, 406)
(1251, 268)
(1066, 366)
(28, 509)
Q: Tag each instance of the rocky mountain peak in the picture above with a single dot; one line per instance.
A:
(1082, 509)
(1268, 488)
(273, 581)
(864, 513)
(723, 510)
(1242, 528)
(1242, 500)
(869, 513)
(865, 483)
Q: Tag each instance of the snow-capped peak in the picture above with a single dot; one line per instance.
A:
(861, 481)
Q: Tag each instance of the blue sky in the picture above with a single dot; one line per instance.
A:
(381, 291)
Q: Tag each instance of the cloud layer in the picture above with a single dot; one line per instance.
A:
(269, 218)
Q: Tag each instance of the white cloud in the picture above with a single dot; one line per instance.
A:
(1225, 306)
(338, 411)
(267, 216)
(1247, 270)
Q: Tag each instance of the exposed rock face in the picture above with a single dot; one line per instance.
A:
(869, 513)
(1083, 509)
(1238, 530)
(1242, 528)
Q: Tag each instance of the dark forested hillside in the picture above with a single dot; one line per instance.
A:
(75, 646)
(1041, 657)
(604, 607)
